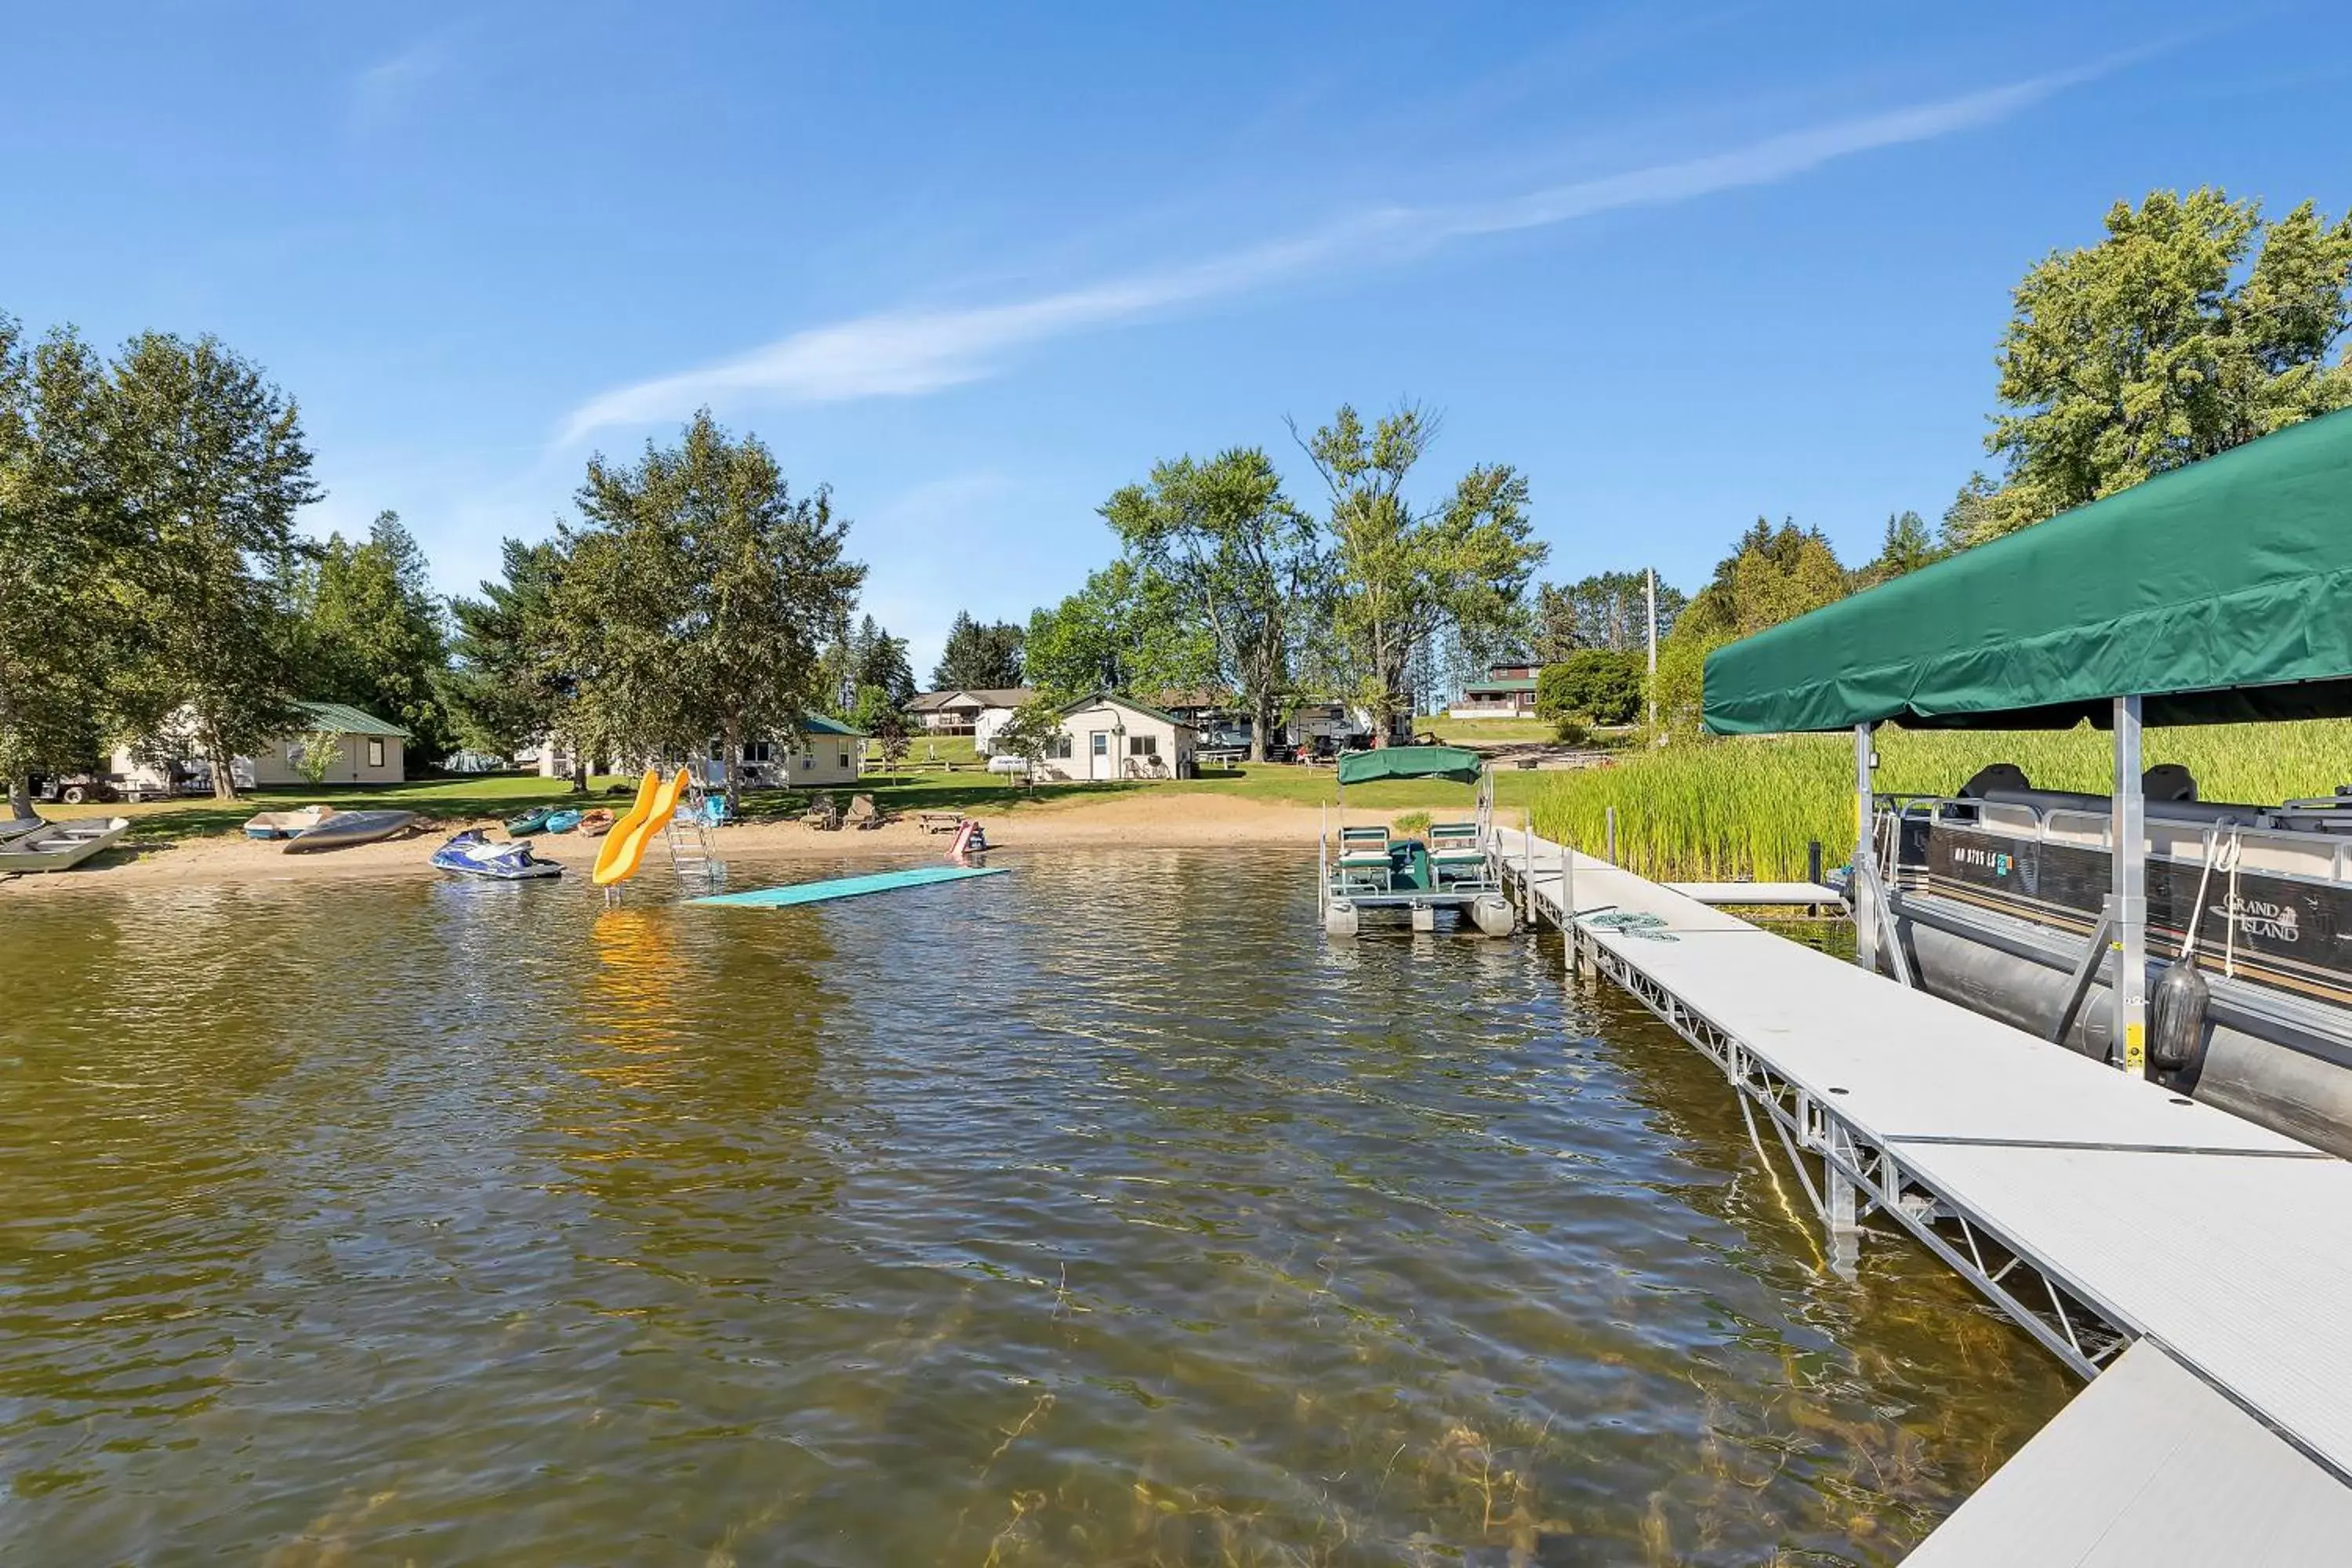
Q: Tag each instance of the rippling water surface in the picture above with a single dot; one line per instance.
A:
(1099, 1213)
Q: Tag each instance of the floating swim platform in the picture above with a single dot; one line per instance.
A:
(848, 887)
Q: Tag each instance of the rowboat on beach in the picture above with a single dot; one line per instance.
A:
(59, 847)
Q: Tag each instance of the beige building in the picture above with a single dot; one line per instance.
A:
(826, 755)
(1105, 736)
(369, 751)
(966, 712)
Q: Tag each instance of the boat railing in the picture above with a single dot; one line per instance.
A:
(2253, 845)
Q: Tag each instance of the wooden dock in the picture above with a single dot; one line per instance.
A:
(2198, 1268)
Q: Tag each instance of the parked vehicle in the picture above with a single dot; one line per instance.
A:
(75, 789)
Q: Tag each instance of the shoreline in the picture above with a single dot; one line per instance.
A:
(1158, 821)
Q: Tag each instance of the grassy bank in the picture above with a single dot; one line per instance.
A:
(476, 798)
(1748, 806)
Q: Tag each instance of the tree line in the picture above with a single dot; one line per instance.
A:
(154, 590)
(2192, 326)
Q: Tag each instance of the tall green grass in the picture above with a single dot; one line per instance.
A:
(1748, 807)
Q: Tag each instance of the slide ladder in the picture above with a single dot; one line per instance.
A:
(692, 852)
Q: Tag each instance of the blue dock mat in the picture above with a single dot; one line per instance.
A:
(848, 887)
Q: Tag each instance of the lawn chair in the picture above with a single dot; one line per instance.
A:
(1453, 853)
(822, 814)
(1364, 863)
(864, 812)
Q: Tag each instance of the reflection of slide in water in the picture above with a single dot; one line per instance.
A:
(625, 846)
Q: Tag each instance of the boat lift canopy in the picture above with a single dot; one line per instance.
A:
(2219, 591)
(2213, 593)
(1411, 762)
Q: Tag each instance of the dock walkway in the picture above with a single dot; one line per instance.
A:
(2151, 1243)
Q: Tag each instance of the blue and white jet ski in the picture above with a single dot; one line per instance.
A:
(471, 854)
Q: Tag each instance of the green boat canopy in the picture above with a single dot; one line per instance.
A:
(2217, 592)
(1411, 762)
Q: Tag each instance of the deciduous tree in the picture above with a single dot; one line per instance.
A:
(209, 464)
(1241, 562)
(63, 550)
(703, 587)
(1403, 574)
(1607, 609)
(1125, 631)
(2191, 327)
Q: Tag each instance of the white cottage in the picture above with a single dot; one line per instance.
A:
(1106, 736)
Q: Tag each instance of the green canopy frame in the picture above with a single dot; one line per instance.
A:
(2217, 592)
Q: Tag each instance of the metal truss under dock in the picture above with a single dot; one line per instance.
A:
(2196, 1268)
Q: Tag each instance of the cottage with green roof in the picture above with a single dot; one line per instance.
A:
(371, 751)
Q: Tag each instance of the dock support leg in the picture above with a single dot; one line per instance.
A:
(1844, 1231)
(2128, 854)
(1527, 868)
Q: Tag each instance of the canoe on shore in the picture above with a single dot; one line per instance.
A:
(272, 824)
(60, 846)
(348, 828)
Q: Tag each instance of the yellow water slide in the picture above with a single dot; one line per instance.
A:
(625, 846)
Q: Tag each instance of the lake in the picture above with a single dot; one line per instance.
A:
(1105, 1212)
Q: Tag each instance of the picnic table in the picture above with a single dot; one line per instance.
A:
(939, 821)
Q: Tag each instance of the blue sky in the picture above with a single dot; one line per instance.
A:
(1681, 265)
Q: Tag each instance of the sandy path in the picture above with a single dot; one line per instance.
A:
(1155, 820)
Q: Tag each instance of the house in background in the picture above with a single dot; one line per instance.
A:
(827, 754)
(371, 751)
(1508, 691)
(1104, 737)
(964, 713)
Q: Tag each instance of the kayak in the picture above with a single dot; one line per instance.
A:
(563, 821)
(471, 854)
(529, 822)
(343, 828)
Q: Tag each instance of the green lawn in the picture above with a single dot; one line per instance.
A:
(1483, 731)
(508, 795)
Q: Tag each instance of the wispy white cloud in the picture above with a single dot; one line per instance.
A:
(905, 353)
(381, 90)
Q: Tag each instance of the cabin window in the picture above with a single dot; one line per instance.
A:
(375, 753)
(1062, 748)
(808, 762)
(756, 751)
(1143, 745)
(844, 759)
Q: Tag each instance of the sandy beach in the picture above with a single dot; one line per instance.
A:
(1154, 820)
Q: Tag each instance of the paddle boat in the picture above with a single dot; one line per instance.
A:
(470, 854)
(529, 821)
(343, 828)
(275, 825)
(59, 847)
(1364, 868)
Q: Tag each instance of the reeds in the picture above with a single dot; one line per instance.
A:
(1748, 806)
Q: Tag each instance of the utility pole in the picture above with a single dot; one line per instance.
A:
(1650, 593)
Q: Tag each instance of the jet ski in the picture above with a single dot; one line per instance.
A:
(471, 854)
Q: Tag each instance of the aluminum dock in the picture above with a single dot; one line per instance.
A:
(2195, 1267)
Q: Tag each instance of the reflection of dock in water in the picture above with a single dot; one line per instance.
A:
(2191, 1264)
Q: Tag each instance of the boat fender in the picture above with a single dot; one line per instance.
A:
(2176, 1017)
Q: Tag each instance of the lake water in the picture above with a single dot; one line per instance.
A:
(1100, 1213)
